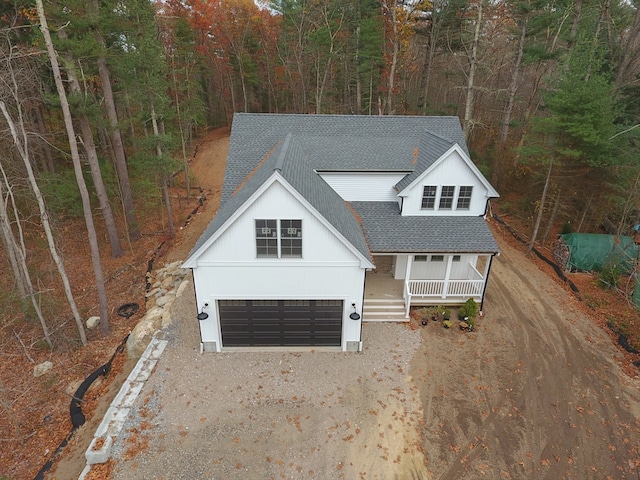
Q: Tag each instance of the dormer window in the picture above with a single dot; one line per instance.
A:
(429, 197)
(446, 197)
(464, 198)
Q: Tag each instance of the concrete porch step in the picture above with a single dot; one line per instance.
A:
(384, 311)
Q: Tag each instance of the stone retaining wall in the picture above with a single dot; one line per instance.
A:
(165, 283)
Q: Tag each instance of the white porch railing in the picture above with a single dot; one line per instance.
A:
(436, 288)
(441, 289)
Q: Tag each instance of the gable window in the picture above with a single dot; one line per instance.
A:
(464, 198)
(291, 238)
(429, 197)
(278, 238)
(446, 197)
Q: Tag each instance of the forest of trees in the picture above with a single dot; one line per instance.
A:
(103, 101)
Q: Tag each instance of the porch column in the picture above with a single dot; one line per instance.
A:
(447, 276)
(407, 288)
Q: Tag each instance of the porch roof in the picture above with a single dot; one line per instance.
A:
(389, 232)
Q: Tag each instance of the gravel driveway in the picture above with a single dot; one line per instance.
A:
(312, 415)
(536, 392)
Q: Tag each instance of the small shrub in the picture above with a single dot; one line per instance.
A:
(610, 276)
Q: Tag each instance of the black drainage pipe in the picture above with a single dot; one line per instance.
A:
(553, 265)
(77, 417)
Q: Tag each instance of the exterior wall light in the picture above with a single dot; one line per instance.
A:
(203, 315)
(354, 315)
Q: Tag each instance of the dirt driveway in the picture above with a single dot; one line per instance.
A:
(535, 393)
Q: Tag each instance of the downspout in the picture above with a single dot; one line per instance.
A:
(364, 286)
(486, 280)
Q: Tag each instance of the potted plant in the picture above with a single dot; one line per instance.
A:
(467, 325)
(468, 310)
(446, 314)
(424, 314)
(471, 308)
(447, 323)
(471, 324)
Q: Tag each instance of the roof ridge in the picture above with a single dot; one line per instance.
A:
(284, 150)
(256, 168)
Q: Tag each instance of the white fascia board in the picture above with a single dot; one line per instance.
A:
(192, 261)
(491, 192)
(364, 262)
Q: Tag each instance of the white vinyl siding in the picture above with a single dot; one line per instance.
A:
(364, 187)
(451, 172)
(229, 269)
(237, 244)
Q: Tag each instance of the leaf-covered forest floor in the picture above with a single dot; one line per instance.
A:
(34, 412)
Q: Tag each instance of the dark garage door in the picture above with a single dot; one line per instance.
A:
(275, 323)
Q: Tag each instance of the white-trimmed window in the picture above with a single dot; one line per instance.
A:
(446, 197)
(278, 238)
(437, 258)
(429, 197)
(419, 258)
(464, 198)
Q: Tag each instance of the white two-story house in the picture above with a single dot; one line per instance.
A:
(327, 221)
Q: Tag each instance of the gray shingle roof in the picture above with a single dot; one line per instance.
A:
(387, 231)
(289, 158)
(334, 142)
(299, 173)
(432, 147)
(299, 145)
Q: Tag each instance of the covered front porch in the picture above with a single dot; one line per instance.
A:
(419, 279)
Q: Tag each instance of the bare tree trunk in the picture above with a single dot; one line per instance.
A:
(8, 238)
(77, 167)
(183, 131)
(45, 148)
(543, 199)
(394, 57)
(508, 111)
(6, 406)
(573, 33)
(552, 217)
(584, 213)
(120, 160)
(471, 78)
(18, 254)
(163, 175)
(429, 57)
(94, 163)
(630, 50)
(630, 203)
(22, 147)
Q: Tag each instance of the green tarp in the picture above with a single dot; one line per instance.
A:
(591, 252)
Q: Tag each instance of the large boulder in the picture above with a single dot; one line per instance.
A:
(143, 332)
